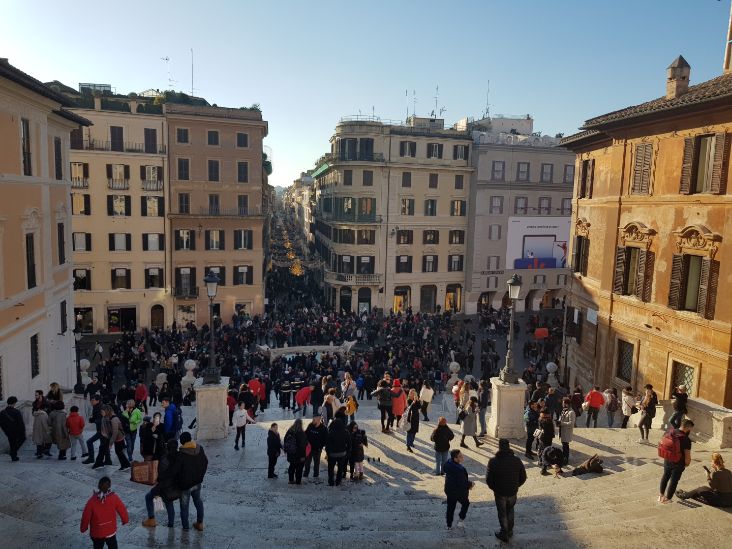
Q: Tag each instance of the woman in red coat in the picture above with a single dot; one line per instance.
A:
(100, 515)
(398, 402)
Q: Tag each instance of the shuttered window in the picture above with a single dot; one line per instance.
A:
(704, 167)
(634, 272)
(587, 178)
(580, 255)
(694, 282)
(642, 169)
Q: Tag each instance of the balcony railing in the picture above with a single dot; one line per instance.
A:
(227, 212)
(79, 183)
(357, 279)
(350, 218)
(152, 185)
(119, 146)
(185, 291)
(351, 156)
(118, 184)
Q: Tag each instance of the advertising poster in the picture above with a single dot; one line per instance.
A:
(537, 242)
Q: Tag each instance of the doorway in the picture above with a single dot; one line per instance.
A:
(364, 300)
(402, 298)
(427, 299)
(157, 317)
(346, 299)
(121, 319)
(453, 298)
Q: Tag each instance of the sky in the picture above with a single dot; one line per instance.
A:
(309, 63)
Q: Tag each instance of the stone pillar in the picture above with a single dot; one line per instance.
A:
(212, 415)
(507, 409)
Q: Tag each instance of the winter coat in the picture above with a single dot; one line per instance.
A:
(59, 432)
(317, 436)
(339, 440)
(383, 396)
(11, 421)
(358, 441)
(75, 424)
(167, 487)
(505, 473)
(426, 394)
(274, 443)
(566, 425)
(191, 465)
(301, 444)
(469, 425)
(100, 515)
(169, 421)
(413, 416)
(547, 430)
(441, 436)
(41, 428)
(595, 399)
(457, 484)
(398, 402)
(134, 417)
(151, 441)
(240, 418)
(140, 392)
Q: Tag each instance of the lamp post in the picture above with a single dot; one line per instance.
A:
(211, 375)
(507, 373)
(79, 387)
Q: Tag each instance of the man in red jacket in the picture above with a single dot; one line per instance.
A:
(100, 515)
(595, 400)
(254, 387)
(141, 395)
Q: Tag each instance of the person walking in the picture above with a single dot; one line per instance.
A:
(680, 398)
(112, 435)
(441, 436)
(100, 515)
(59, 431)
(240, 419)
(469, 426)
(611, 405)
(484, 400)
(41, 433)
(675, 448)
(627, 405)
(317, 434)
(166, 487)
(398, 404)
(413, 411)
(132, 420)
(295, 446)
(647, 406)
(504, 475)
(719, 491)
(96, 420)
(457, 488)
(531, 418)
(566, 427)
(274, 449)
(595, 401)
(192, 464)
(383, 398)
(337, 448)
(12, 424)
(426, 394)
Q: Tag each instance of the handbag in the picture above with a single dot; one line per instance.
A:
(585, 405)
(538, 433)
(144, 472)
(462, 415)
(158, 501)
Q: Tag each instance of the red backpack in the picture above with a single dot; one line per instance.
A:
(669, 447)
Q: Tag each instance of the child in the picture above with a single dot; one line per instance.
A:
(358, 441)
(100, 514)
(274, 447)
(241, 418)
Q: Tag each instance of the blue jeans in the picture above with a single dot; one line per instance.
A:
(185, 497)
(670, 479)
(481, 418)
(151, 508)
(610, 419)
(410, 439)
(676, 418)
(130, 442)
(440, 459)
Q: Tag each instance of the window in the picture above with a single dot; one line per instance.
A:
(407, 206)
(456, 263)
(151, 140)
(61, 242)
(408, 148)
(152, 206)
(642, 169)
(181, 135)
(345, 264)
(457, 237)
(242, 140)
(242, 172)
(368, 178)
(498, 170)
(348, 177)
(460, 152)
(458, 207)
(704, 162)
(458, 182)
(434, 150)
(183, 169)
(35, 356)
(365, 264)
(539, 279)
(633, 272)
(242, 204)
(80, 204)
(406, 179)
(580, 255)
(545, 205)
(25, 143)
(82, 279)
(82, 242)
(154, 278)
(694, 281)
(347, 206)
(184, 203)
(185, 239)
(566, 206)
(547, 173)
(153, 242)
(243, 239)
(561, 280)
(492, 282)
(521, 205)
(30, 260)
(568, 173)
(494, 232)
(683, 374)
(434, 179)
(366, 236)
(430, 207)
(119, 205)
(63, 316)
(118, 173)
(185, 282)
(213, 204)
(366, 207)
(121, 279)
(116, 134)
(151, 173)
(587, 177)
(120, 242)
(429, 263)
(79, 172)
(430, 237)
(496, 205)
(220, 273)
(348, 148)
(522, 171)
(243, 274)
(494, 262)
(213, 138)
(405, 237)
(214, 239)
(213, 170)
(58, 158)
(624, 367)
(404, 264)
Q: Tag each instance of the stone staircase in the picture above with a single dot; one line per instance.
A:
(398, 504)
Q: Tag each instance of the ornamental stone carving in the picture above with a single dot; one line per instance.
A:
(582, 227)
(697, 238)
(637, 233)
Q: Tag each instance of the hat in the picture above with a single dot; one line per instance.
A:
(397, 383)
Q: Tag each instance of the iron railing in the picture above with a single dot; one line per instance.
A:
(152, 185)
(118, 184)
(79, 183)
(119, 146)
(185, 291)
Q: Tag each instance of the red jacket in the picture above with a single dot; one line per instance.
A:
(100, 517)
(231, 403)
(140, 392)
(254, 387)
(595, 399)
(75, 424)
(303, 395)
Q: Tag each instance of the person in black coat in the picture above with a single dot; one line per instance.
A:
(504, 475)
(356, 453)
(413, 422)
(317, 434)
(295, 446)
(274, 448)
(96, 420)
(316, 398)
(337, 448)
(12, 424)
(546, 424)
(457, 487)
(166, 486)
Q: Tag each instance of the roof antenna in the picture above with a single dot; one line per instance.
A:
(414, 103)
(406, 97)
(487, 112)
(437, 97)
(191, 72)
(166, 60)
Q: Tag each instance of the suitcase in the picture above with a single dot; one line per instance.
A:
(144, 472)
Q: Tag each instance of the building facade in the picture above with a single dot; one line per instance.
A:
(519, 215)
(36, 298)
(652, 243)
(219, 205)
(391, 215)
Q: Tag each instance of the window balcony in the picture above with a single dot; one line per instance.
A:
(354, 279)
(79, 183)
(351, 156)
(118, 184)
(186, 292)
(119, 146)
(152, 185)
(213, 211)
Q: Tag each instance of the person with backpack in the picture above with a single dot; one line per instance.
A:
(675, 449)
(131, 418)
(647, 406)
(611, 405)
(12, 424)
(173, 420)
(274, 448)
(191, 465)
(100, 515)
(112, 434)
(504, 475)
(295, 446)
(594, 401)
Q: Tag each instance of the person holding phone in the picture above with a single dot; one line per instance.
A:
(719, 491)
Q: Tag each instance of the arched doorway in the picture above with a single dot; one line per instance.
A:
(346, 299)
(427, 298)
(364, 300)
(157, 317)
(453, 298)
(402, 298)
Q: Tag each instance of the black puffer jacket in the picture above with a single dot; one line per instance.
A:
(339, 441)
(441, 436)
(505, 473)
(192, 464)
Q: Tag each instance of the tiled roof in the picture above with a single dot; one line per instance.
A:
(578, 137)
(27, 81)
(719, 88)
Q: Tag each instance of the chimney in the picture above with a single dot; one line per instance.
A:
(727, 66)
(677, 78)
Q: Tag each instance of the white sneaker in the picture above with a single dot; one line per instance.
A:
(460, 524)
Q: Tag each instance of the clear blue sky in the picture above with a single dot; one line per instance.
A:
(310, 62)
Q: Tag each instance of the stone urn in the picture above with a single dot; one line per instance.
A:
(551, 369)
(84, 366)
(161, 378)
(454, 378)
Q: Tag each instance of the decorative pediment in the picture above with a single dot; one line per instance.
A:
(31, 220)
(697, 238)
(582, 227)
(638, 233)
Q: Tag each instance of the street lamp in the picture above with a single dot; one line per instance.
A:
(79, 387)
(507, 374)
(211, 375)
